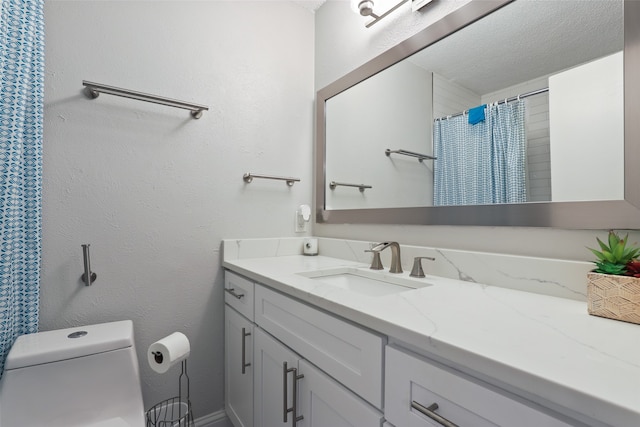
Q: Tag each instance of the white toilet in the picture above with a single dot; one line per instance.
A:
(86, 376)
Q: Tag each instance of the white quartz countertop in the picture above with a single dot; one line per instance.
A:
(545, 348)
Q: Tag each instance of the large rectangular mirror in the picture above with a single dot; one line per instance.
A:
(502, 113)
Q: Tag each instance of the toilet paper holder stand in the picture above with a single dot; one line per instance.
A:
(164, 413)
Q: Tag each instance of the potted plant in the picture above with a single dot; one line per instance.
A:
(613, 289)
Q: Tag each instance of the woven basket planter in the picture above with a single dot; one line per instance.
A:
(615, 297)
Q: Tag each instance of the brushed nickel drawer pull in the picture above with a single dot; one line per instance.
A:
(232, 291)
(430, 412)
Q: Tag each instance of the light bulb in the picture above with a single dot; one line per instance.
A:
(362, 7)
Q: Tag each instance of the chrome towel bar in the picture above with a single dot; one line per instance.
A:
(95, 89)
(420, 157)
(361, 187)
(248, 177)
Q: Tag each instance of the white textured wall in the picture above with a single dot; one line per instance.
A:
(154, 191)
(343, 44)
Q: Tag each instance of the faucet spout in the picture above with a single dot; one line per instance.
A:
(396, 266)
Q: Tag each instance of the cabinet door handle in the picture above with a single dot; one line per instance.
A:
(294, 407)
(430, 412)
(244, 350)
(232, 291)
(285, 410)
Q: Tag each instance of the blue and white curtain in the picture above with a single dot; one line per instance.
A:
(483, 163)
(21, 110)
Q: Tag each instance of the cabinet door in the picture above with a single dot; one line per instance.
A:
(325, 403)
(273, 388)
(238, 368)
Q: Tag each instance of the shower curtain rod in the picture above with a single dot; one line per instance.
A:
(95, 89)
(513, 98)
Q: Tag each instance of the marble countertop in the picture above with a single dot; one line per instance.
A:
(545, 348)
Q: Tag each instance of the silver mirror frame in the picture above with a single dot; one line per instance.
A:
(621, 214)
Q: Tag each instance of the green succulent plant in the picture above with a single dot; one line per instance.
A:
(614, 257)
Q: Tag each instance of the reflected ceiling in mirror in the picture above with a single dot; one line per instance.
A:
(488, 51)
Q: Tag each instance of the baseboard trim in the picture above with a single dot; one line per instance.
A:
(215, 419)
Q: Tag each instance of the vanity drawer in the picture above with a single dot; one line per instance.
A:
(411, 381)
(351, 355)
(238, 293)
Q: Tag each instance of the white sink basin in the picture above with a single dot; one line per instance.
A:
(365, 282)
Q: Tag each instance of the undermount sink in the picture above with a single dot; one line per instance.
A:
(365, 282)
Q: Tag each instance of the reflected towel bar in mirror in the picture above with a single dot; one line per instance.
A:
(361, 187)
(420, 157)
(248, 177)
(95, 89)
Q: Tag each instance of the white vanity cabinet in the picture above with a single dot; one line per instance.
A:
(420, 392)
(287, 363)
(291, 364)
(238, 368)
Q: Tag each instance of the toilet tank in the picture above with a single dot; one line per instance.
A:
(85, 376)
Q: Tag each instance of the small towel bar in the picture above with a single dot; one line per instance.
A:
(420, 157)
(361, 187)
(248, 177)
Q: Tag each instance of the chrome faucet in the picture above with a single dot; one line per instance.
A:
(396, 266)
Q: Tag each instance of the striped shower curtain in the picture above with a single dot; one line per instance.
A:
(21, 110)
(484, 163)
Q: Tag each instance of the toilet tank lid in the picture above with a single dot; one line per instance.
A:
(63, 344)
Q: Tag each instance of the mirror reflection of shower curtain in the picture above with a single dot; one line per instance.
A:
(483, 163)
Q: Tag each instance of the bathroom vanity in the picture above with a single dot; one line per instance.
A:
(324, 341)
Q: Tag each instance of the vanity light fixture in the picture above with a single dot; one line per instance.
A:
(365, 8)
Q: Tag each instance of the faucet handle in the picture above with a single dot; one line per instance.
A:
(417, 270)
(376, 262)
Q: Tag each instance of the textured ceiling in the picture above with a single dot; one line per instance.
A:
(525, 40)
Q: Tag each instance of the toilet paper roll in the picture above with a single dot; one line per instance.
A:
(168, 351)
(310, 246)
